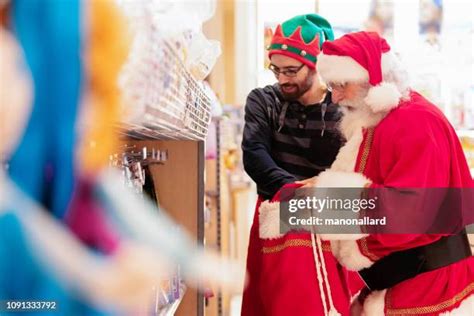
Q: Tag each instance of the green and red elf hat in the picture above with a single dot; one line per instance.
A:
(301, 38)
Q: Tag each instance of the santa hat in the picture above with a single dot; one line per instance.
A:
(301, 38)
(361, 57)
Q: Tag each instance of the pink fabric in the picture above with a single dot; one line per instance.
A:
(87, 221)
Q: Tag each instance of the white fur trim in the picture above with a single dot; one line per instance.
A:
(383, 97)
(374, 304)
(338, 237)
(341, 175)
(341, 179)
(333, 68)
(347, 155)
(465, 308)
(348, 254)
(354, 122)
(269, 220)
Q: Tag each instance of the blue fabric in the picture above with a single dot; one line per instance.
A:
(22, 277)
(42, 165)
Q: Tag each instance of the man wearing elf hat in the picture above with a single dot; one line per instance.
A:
(396, 139)
(290, 131)
(290, 135)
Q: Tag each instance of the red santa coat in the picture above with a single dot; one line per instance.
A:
(283, 279)
(413, 146)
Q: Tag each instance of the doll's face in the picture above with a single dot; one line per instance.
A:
(16, 93)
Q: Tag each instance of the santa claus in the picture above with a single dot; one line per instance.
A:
(396, 139)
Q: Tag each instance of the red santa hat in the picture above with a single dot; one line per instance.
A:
(361, 57)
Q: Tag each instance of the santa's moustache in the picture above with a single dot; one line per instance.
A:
(357, 114)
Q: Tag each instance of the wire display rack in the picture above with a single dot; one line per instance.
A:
(168, 103)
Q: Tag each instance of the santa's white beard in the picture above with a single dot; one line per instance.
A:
(357, 115)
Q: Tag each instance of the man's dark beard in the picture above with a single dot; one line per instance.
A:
(300, 89)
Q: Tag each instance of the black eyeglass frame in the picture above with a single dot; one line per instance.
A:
(288, 72)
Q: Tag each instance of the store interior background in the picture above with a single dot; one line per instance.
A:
(203, 185)
(433, 38)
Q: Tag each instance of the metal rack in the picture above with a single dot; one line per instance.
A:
(170, 103)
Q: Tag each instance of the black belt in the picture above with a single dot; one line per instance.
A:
(403, 265)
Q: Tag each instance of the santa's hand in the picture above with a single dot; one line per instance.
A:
(309, 183)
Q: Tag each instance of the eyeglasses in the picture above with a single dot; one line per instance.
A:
(288, 72)
(336, 86)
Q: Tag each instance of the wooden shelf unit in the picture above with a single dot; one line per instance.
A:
(179, 187)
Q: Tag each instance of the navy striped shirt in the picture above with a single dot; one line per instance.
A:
(287, 141)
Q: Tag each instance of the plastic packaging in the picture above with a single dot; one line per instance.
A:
(203, 54)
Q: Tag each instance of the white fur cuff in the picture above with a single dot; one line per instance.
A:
(340, 179)
(342, 236)
(269, 220)
(374, 304)
(348, 254)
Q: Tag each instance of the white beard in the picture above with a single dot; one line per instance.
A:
(358, 117)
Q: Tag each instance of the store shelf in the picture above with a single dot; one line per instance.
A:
(170, 309)
(166, 108)
(179, 190)
(148, 131)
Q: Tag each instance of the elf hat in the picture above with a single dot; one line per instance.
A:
(301, 38)
(361, 57)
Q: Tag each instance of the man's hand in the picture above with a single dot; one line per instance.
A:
(309, 183)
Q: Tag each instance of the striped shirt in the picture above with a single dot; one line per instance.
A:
(287, 141)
